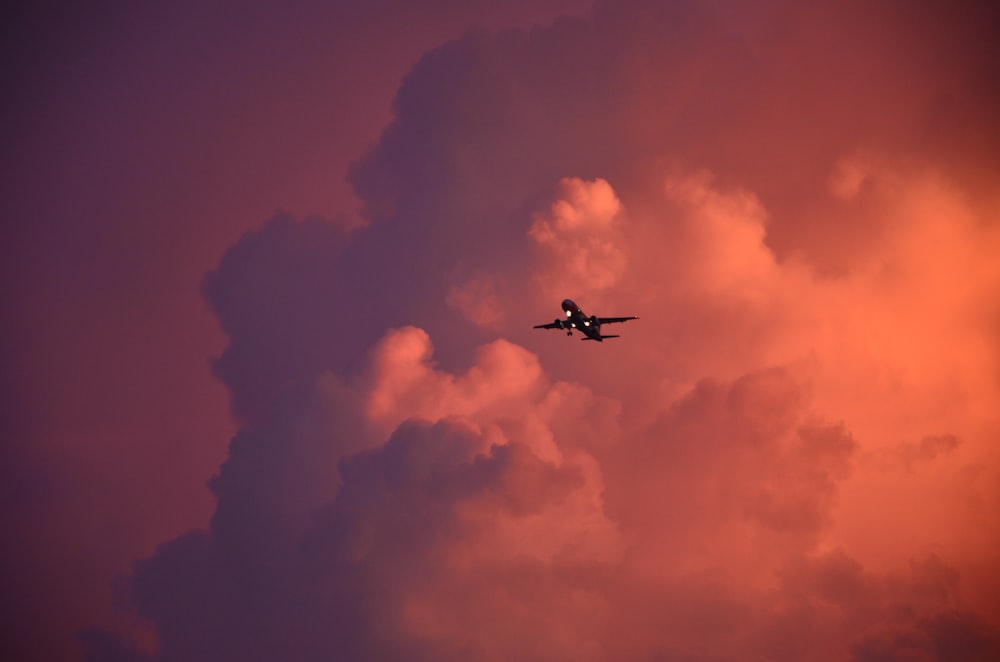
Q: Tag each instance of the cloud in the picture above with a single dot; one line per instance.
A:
(464, 535)
(456, 500)
(263, 294)
(928, 449)
(420, 475)
(579, 240)
(504, 381)
(478, 527)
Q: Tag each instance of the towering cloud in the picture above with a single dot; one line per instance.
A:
(790, 456)
(579, 240)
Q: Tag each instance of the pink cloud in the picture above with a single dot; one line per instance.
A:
(579, 239)
(505, 380)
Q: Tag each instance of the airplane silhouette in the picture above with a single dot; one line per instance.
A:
(590, 327)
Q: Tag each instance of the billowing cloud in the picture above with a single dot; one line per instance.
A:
(790, 456)
(473, 503)
(579, 240)
(504, 382)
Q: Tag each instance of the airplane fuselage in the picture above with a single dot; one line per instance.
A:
(576, 319)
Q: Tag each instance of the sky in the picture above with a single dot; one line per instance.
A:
(270, 386)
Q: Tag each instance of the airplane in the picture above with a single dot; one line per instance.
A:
(589, 326)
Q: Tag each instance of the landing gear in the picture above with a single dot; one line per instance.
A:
(569, 333)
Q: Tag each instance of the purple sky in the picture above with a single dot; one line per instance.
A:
(270, 387)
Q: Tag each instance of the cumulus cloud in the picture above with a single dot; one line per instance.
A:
(714, 485)
(263, 294)
(724, 236)
(504, 382)
(459, 535)
(579, 239)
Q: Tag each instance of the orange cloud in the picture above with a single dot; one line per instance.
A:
(580, 239)
(404, 383)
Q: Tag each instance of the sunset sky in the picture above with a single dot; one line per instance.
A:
(270, 389)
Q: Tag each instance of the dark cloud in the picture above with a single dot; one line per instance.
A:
(275, 294)
(102, 645)
(252, 588)
(948, 636)
(928, 448)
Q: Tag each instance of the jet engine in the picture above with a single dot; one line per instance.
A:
(594, 321)
(559, 323)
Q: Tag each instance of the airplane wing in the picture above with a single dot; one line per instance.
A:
(550, 325)
(616, 320)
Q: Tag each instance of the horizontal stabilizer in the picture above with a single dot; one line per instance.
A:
(601, 338)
